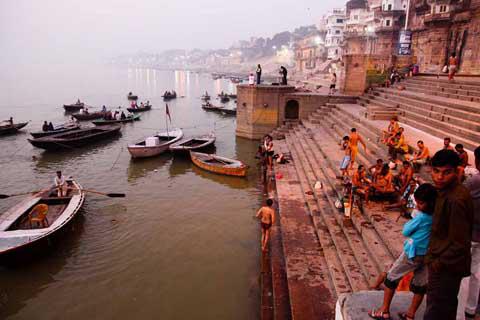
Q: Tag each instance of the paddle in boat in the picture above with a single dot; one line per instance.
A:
(38, 217)
(156, 144)
(74, 106)
(129, 118)
(11, 129)
(58, 129)
(220, 165)
(76, 138)
(194, 144)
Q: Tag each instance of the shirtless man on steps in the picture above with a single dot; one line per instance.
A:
(267, 217)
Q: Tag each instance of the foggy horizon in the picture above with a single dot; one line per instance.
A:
(60, 31)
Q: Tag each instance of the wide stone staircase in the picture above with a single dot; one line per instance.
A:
(325, 253)
(435, 106)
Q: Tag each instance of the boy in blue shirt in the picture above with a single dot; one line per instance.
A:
(415, 248)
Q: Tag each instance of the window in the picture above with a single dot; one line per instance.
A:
(355, 17)
(443, 8)
(336, 51)
(389, 7)
(337, 31)
(339, 20)
(387, 23)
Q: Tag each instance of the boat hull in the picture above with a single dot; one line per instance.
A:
(240, 171)
(135, 110)
(18, 243)
(6, 130)
(142, 151)
(73, 107)
(90, 116)
(110, 122)
(56, 142)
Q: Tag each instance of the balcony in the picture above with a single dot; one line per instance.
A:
(443, 17)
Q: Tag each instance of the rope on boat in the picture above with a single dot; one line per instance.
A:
(118, 157)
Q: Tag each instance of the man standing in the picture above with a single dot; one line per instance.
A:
(284, 72)
(452, 66)
(448, 257)
(259, 74)
(473, 184)
(60, 184)
(266, 214)
(355, 138)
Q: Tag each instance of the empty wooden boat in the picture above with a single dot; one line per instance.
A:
(76, 138)
(140, 109)
(59, 129)
(194, 144)
(89, 116)
(103, 122)
(220, 165)
(74, 107)
(37, 217)
(156, 144)
(11, 129)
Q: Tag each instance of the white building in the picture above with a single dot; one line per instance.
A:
(334, 38)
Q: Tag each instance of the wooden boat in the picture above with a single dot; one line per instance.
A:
(169, 96)
(194, 144)
(73, 107)
(230, 112)
(155, 145)
(211, 107)
(89, 116)
(59, 129)
(205, 97)
(132, 97)
(9, 129)
(232, 96)
(103, 122)
(76, 138)
(19, 233)
(140, 109)
(220, 165)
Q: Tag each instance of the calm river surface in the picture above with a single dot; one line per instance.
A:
(182, 245)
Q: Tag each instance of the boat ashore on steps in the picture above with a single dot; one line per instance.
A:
(59, 129)
(76, 138)
(140, 109)
(11, 129)
(74, 107)
(194, 144)
(89, 116)
(103, 122)
(220, 165)
(20, 231)
(156, 144)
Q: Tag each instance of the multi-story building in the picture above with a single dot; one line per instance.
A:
(334, 37)
(310, 52)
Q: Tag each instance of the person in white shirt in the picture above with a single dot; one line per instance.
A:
(60, 184)
(251, 79)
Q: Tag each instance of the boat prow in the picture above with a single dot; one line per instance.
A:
(156, 144)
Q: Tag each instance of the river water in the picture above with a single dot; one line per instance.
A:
(181, 245)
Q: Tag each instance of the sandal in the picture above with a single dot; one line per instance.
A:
(379, 315)
(404, 316)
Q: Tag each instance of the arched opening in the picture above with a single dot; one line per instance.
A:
(291, 110)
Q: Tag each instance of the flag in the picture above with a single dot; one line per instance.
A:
(168, 112)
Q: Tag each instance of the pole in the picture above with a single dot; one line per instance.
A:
(407, 14)
(166, 121)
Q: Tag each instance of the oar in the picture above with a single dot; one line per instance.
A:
(111, 195)
(4, 196)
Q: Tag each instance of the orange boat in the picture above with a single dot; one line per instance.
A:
(220, 165)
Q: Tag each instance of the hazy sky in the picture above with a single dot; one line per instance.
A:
(64, 29)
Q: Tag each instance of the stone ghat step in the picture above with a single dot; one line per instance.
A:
(310, 287)
(444, 87)
(415, 102)
(440, 93)
(388, 229)
(447, 102)
(451, 120)
(339, 257)
(471, 83)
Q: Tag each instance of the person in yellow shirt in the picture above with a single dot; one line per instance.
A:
(399, 146)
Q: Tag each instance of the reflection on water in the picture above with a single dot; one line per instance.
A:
(182, 244)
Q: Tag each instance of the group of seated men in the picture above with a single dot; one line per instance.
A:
(382, 180)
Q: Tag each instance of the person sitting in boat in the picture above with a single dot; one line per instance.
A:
(166, 94)
(60, 184)
(85, 111)
(50, 127)
(132, 104)
(45, 126)
(73, 120)
(78, 101)
(142, 105)
(104, 109)
(148, 102)
(10, 121)
(123, 116)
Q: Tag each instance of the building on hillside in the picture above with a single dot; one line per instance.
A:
(310, 52)
(334, 37)
(441, 27)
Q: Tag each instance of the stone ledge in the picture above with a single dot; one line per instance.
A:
(355, 306)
